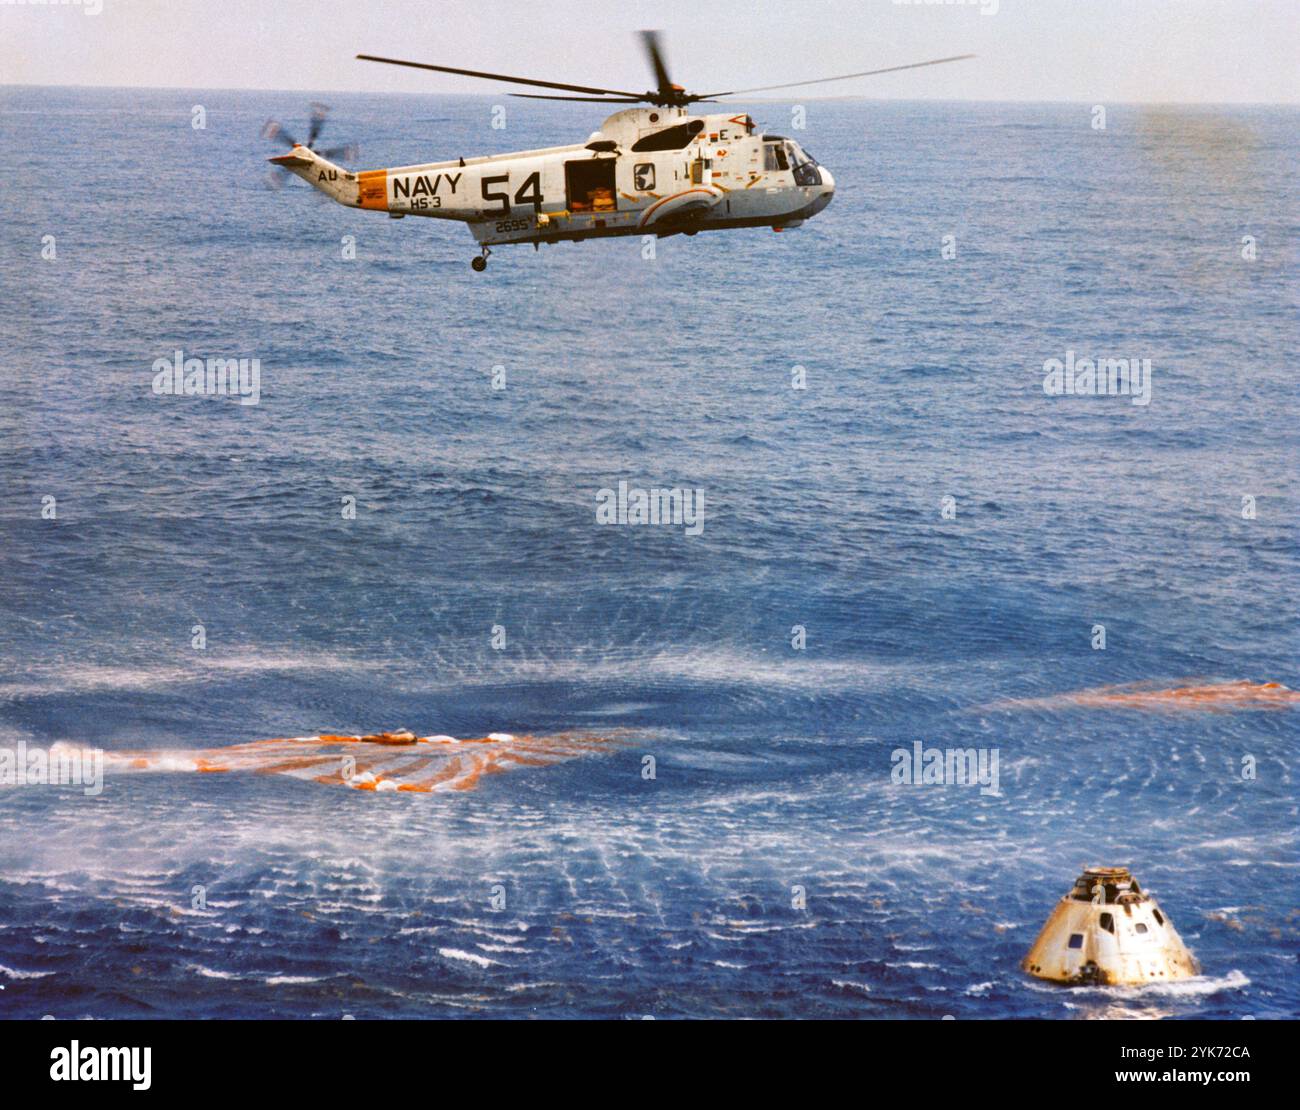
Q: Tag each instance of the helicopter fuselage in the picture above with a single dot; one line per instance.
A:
(648, 171)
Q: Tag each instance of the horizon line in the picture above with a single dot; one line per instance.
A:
(753, 100)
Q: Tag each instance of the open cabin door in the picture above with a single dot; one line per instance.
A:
(589, 185)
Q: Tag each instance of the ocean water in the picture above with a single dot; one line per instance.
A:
(770, 868)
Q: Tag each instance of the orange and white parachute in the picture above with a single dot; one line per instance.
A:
(384, 761)
(1204, 696)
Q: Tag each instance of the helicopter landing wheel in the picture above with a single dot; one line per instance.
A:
(480, 263)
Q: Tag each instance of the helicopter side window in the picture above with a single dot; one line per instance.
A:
(774, 158)
(677, 137)
(643, 177)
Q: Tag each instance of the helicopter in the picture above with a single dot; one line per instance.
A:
(656, 169)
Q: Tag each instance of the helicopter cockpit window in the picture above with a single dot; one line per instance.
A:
(643, 177)
(774, 158)
(804, 164)
(670, 138)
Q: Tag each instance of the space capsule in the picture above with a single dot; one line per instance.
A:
(1108, 931)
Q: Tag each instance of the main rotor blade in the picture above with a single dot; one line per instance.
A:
(588, 99)
(844, 77)
(650, 39)
(496, 76)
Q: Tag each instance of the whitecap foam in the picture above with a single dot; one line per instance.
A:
(467, 957)
(211, 973)
(14, 973)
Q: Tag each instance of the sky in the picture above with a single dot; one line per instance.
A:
(1096, 51)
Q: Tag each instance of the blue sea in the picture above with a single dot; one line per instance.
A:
(834, 608)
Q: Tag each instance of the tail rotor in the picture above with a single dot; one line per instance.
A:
(275, 131)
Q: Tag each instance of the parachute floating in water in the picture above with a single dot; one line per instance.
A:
(384, 761)
(1209, 696)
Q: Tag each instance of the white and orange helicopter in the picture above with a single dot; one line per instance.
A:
(655, 170)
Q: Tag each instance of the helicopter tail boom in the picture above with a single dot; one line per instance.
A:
(320, 173)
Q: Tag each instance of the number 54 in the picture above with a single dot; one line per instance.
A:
(530, 192)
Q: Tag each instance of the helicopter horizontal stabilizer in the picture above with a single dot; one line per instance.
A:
(291, 159)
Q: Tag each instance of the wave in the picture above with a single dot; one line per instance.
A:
(467, 957)
(90, 677)
(713, 666)
(14, 973)
(1197, 987)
